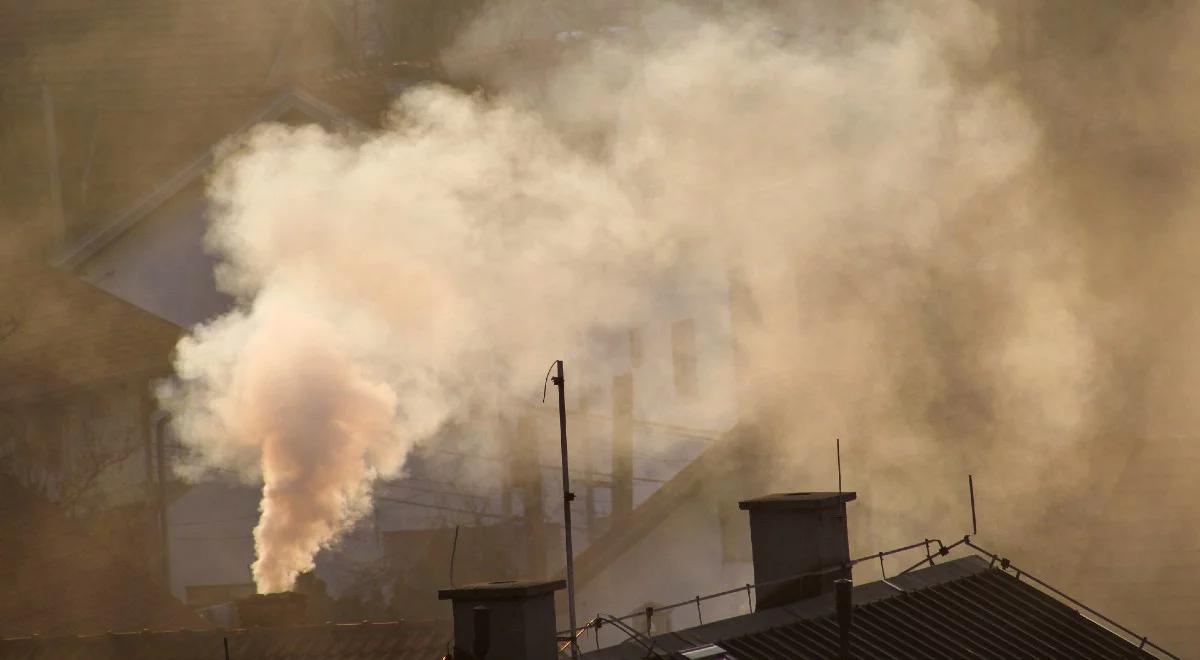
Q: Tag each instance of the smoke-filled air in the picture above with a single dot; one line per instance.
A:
(866, 177)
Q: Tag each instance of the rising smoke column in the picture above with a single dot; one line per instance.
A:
(907, 291)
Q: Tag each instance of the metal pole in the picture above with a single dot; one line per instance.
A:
(839, 463)
(568, 497)
(971, 488)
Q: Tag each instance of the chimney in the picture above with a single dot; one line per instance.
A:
(792, 534)
(518, 618)
(272, 610)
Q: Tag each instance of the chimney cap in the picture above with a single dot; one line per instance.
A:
(503, 590)
(794, 501)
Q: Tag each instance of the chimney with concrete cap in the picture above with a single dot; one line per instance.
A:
(272, 610)
(793, 534)
(520, 619)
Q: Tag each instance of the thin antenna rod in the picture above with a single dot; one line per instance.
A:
(839, 461)
(971, 488)
(568, 497)
(453, 551)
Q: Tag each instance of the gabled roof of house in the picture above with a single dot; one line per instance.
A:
(58, 333)
(195, 166)
(129, 91)
(963, 608)
(396, 640)
(59, 580)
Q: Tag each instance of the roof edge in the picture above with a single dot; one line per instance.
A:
(292, 98)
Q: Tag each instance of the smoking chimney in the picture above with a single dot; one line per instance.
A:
(517, 617)
(792, 534)
(272, 610)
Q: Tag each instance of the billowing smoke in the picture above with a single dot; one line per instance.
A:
(303, 411)
(855, 169)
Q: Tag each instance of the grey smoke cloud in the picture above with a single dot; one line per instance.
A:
(909, 294)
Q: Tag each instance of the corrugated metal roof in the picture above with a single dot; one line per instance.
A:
(960, 609)
(398, 640)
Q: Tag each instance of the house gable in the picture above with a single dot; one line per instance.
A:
(153, 252)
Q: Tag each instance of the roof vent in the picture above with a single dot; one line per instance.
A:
(706, 652)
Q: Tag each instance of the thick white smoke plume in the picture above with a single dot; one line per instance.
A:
(390, 282)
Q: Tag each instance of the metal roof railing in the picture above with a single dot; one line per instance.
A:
(566, 637)
(1128, 635)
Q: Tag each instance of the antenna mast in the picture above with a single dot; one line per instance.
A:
(839, 463)
(971, 489)
(568, 497)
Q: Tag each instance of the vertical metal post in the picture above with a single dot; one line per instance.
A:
(839, 464)
(226, 642)
(568, 497)
(971, 488)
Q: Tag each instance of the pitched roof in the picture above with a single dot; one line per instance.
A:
(58, 333)
(962, 608)
(134, 88)
(186, 168)
(56, 579)
(397, 640)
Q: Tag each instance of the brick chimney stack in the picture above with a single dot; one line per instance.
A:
(519, 617)
(797, 533)
(272, 610)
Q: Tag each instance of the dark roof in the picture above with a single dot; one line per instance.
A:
(57, 579)
(59, 333)
(398, 640)
(962, 608)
